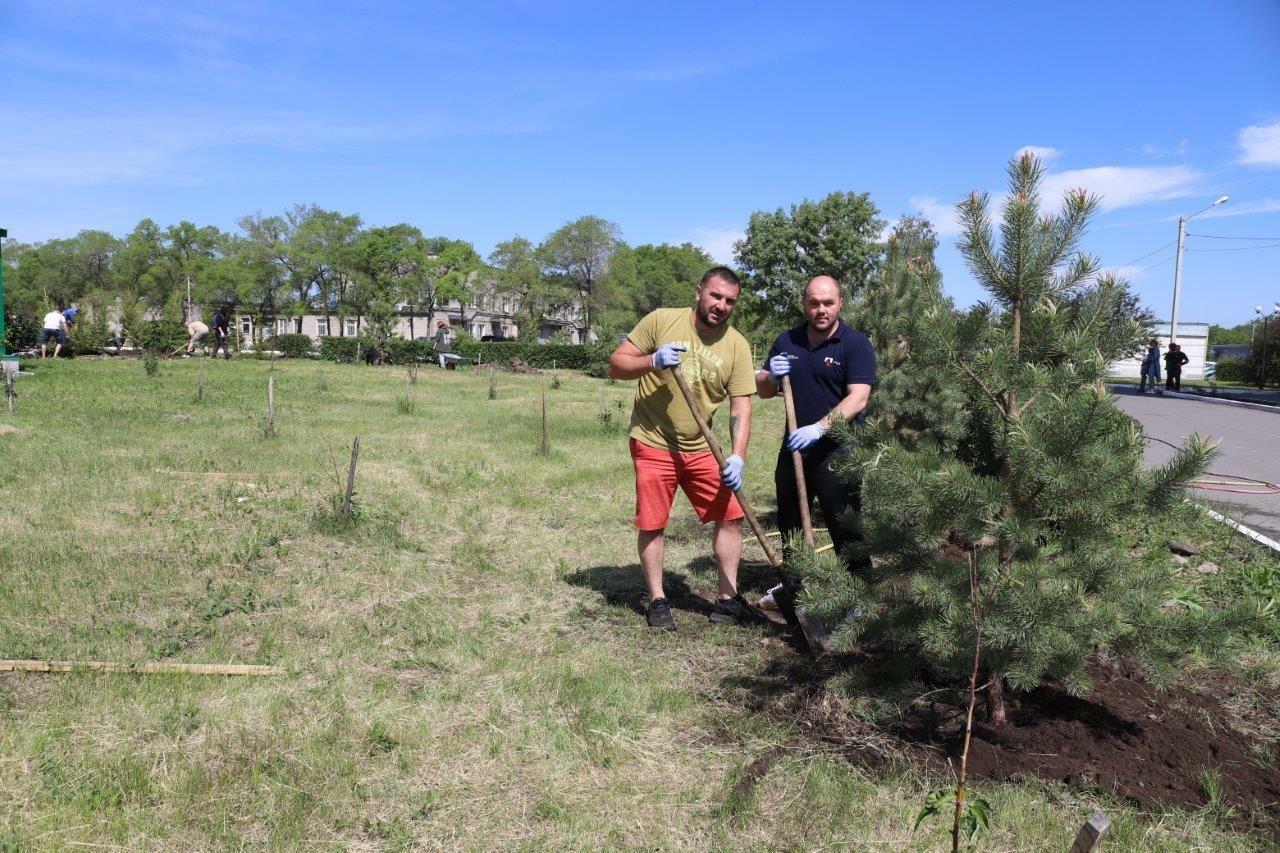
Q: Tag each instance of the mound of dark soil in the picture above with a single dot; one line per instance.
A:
(1126, 738)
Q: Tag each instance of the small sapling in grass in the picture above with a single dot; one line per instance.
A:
(412, 372)
(493, 384)
(151, 364)
(555, 383)
(406, 405)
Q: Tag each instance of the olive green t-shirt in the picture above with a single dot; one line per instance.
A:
(715, 366)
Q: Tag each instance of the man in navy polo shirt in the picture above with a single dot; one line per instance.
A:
(832, 368)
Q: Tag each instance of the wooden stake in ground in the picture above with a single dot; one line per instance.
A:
(546, 441)
(1090, 835)
(113, 666)
(351, 477)
(271, 404)
(493, 383)
(8, 389)
(199, 382)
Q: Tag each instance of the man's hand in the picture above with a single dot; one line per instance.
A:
(668, 355)
(806, 436)
(779, 366)
(731, 475)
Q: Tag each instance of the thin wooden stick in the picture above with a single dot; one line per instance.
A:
(975, 603)
(271, 404)
(199, 382)
(546, 441)
(797, 462)
(351, 477)
(8, 389)
(114, 666)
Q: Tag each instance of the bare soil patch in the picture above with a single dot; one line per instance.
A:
(1126, 738)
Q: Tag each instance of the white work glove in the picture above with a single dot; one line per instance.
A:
(806, 436)
(731, 475)
(779, 366)
(668, 355)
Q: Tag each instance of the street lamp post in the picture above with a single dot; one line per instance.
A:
(1177, 267)
(1262, 369)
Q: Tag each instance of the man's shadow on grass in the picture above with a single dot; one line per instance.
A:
(624, 586)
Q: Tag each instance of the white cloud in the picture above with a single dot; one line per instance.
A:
(1160, 151)
(939, 213)
(718, 242)
(1043, 153)
(1123, 186)
(1260, 145)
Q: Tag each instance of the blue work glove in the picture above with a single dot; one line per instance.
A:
(779, 366)
(731, 476)
(806, 436)
(668, 355)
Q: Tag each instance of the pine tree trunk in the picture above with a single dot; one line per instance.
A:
(995, 700)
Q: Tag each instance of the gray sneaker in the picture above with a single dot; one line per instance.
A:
(736, 611)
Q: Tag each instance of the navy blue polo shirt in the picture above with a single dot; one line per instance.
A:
(821, 374)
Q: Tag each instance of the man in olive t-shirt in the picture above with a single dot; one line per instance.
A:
(666, 446)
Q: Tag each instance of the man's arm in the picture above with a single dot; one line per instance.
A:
(855, 400)
(629, 362)
(739, 425)
(764, 385)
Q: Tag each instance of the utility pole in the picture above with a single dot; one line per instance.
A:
(188, 317)
(3, 357)
(1177, 280)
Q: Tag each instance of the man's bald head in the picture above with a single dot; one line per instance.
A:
(823, 284)
(822, 305)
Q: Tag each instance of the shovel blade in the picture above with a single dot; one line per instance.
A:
(815, 633)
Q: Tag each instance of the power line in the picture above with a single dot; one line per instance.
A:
(1237, 248)
(1149, 254)
(1222, 237)
(1153, 266)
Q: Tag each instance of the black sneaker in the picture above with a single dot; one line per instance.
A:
(736, 611)
(659, 615)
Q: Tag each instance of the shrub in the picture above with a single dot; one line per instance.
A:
(90, 335)
(334, 348)
(589, 357)
(1231, 370)
(20, 333)
(161, 336)
(292, 345)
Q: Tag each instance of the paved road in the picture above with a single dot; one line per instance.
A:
(1250, 447)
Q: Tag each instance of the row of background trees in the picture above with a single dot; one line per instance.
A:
(311, 260)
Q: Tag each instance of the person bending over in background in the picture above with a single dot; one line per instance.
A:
(55, 329)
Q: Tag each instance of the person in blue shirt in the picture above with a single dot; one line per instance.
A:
(832, 368)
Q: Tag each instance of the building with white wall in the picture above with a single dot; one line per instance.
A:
(1192, 337)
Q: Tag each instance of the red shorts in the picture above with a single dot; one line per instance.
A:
(659, 471)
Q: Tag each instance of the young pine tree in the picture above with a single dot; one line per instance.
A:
(998, 530)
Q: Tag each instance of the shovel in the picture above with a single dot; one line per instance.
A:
(813, 632)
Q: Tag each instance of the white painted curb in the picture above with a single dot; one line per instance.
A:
(1240, 528)
(1182, 395)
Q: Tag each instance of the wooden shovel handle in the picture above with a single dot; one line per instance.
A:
(797, 462)
(775, 559)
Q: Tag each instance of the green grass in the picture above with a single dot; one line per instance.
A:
(464, 666)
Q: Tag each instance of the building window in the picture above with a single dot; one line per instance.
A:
(282, 327)
(246, 326)
(349, 328)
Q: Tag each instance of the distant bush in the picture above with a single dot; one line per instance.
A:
(162, 336)
(1231, 370)
(292, 345)
(334, 348)
(90, 335)
(592, 358)
(20, 333)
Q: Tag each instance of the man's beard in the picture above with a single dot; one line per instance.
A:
(705, 316)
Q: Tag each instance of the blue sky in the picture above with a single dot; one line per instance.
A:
(483, 120)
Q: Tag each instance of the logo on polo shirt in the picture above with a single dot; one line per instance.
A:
(831, 362)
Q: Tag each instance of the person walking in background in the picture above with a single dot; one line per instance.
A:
(55, 329)
(442, 341)
(221, 333)
(1150, 367)
(1173, 361)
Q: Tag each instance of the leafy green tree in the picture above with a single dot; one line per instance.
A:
(577, 256)
(516, 272)
(1004, 549)
(666, 275)
(378, 259)
(1267, 339)
(1239, 334)
(837, 236)
(441, 271)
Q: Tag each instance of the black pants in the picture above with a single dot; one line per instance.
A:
(220, 343)
(834, 496)
(1173, 380)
